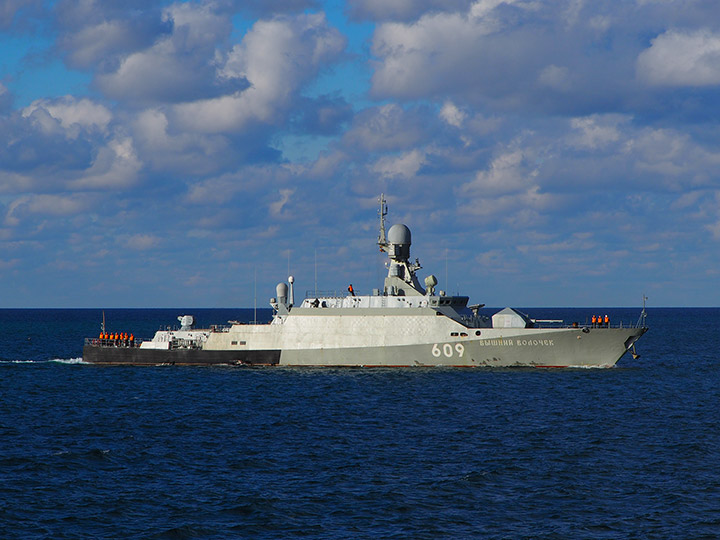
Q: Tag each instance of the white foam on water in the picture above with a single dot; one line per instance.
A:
(58, 360)
(69, 361)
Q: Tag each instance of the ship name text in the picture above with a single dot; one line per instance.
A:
(516, 343)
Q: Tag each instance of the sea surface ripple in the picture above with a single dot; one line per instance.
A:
(266, 453)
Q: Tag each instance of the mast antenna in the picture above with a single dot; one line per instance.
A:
(643, 314)
(382, 239)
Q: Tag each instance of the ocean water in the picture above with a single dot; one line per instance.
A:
(264, 453)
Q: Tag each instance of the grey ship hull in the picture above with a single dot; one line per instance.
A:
(565, 347)
(561, 348)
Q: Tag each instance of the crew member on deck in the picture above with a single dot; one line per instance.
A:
(594, 320)
(607, 321)
(350, 290)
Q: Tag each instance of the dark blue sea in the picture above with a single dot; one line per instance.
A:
(273, 453)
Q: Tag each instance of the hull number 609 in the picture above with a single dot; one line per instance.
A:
(447, 350)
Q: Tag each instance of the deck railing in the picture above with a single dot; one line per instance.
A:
(325, 294)
(97, 342)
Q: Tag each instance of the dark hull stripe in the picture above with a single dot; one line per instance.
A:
(186, 357)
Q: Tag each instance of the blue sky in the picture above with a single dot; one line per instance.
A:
(163, 154)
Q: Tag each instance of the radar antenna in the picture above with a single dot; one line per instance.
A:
(382, 239)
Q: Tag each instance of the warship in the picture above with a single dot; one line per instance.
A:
(404, 324)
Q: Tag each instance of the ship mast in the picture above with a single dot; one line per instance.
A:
(643, 314)
(382, 239)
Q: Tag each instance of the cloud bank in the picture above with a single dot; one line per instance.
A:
(558, 153)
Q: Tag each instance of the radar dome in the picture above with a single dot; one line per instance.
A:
(430, 283)
(399, 234)
(186, 322)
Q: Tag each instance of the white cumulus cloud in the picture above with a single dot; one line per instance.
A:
(141, 242)
(45, 205)
(681, 58)
(276, 208)
(452, 114)
(508, 172)
(404, 166)
(116, 166)
(178, 66)
(70, 111)
(277, 57)
(596, 131)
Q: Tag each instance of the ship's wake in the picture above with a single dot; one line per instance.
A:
(69, 361)
(53, 360)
